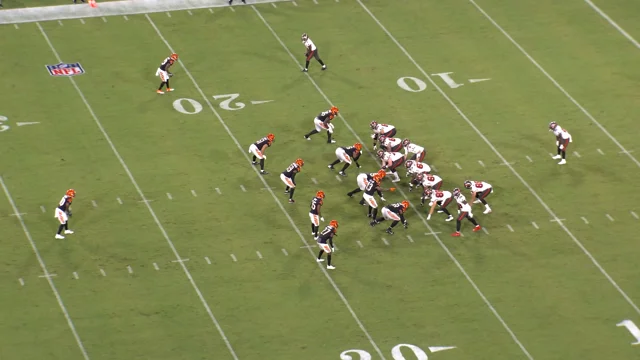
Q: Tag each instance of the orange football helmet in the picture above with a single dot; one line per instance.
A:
(358, 146)
(320, 194)
(405, 204)
(381, 173)
(334, 110)
(71, 193)
(271, 137)
(174, 56)
(300, 162)
(334, 223)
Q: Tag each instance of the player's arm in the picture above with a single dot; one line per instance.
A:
(473, 197)
(320, 213)
(264, 147)
(330, 241)
(433, 207)
(355, 159)
(375, 140)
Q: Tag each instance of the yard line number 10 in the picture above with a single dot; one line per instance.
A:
(396, 353)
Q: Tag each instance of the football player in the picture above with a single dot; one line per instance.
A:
(311, 52)
(394, 212)
(563, 138)
(323, 122)
(258, 148)
(363, 179)
(417, 150)
(346, 154)
(379, 130)
(288, 177)
(429, 181)
(63, 213)
(325, 241)
(164, 74)
(390, 144)
(415, 168)
(391, 161)
(479, 191)
(437, 197)
(464, 212)
(314, 213)
(368, 199)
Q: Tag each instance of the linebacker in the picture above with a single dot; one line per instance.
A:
(258, 148)
(314, 213)
(63, 213)
(323, 122)
(288, 177)
(363, 179)
(345, 155)
(325, 241)
(394, 212)
(164, 74)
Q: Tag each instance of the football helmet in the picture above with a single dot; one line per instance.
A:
(381, 173)
(71, 193)
(405, 204)
(427, 192)
(334, 110)
(320, 194)
(380, 153)
(271, 137)
(174, 56)
(358, 146)
(304, 37)
(409, 164)
(552, 125)
(382, 139)
(300, 162)
(334, 224)
(456, 192)
(373, 125)
(468, 184)
(406, 142)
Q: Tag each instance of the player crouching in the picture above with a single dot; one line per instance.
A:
(258, 148)
(325, 241)
(418, 151)
(164, 74)
(345, 155)
(415, 168)
(479, 191)
(390, 144)
(394, 212)
(563, 138)
(464, 212)
(288, 177)
(440, 198)
(323, 122)
(63, 213)
(391, 161)
(363, 179)
(314, 213)
(381, 130)
(368, 199)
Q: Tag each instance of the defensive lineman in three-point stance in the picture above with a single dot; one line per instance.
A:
(347, 155)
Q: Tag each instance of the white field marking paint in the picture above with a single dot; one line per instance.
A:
(82, 21)
(104, 19)
(448, 80)
(458, 166)
(632, 328)
(384, 240)
(551, 155)
(180, 260)
(104, 273)
(259, 254)
(243, 188)
(75, 275)
(294, 3)
(535, 225)
(434, 168)
(558, 220)
(584, 219)
(129, 269)
(48, 276)
(60, 22)
(189, 12)
(600, 151)
(16, 26)
(409, 238)
(21, 281)
(529, 158)
(435, 349)
(510, 228)
(258, 102)
(43, 266)
(273, 195)
(634, 215)
(94, 203)
(169, 196)
(232, 9)
(478, 80)
(485, 230)
(142, 196)
(126, 18)
(314, 180)
(119, 201)
(168, 14)
(613, 23)
(20, 214)
(577, 154)
(284, 251)
(359, 243)
(608, 217)
(339, 178)
(218, 191)
(273, 4)
(211, 10)
(206, 258)
(27, 123)
(481, 163)
(433, 233)
(515, 173)
(624, 152)
(557, 85)
(155, 266)
(42, 208)
(193, 192)
(315, 2)
(233, 257)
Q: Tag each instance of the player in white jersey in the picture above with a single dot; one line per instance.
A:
(415, 168)
(380, 130)
(417, 150)
(391, 161)
(437, 197)
(479, 191)
(563, 138)
(464, 212)
(312, 52)
(430, 181)
(390, 144)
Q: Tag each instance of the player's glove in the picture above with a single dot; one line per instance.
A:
(406, 224)
(170, 75)
(333, 249)
(69, 213)
(383, 199)
(321, 219)
(375, 147)
(410, 187)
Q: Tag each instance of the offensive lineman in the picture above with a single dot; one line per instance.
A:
(391, 161)
(288, 177)
(345, 154)
(464, 211)
(325, 241)
(393, 212)
(164, 74)
(314, 213)
(417, 150)
(312, 52)
(63, 213)
(323, 122)
(258, 148)
(563, 138)
(479, 191)
(379, 130)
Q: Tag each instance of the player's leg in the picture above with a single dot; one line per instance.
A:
(320, 259)
(317, 57)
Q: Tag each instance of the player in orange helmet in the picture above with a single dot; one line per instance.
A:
(288, 177)
(164, 74)
(323, 122)
(325, 241)
(347, 154)
(258, 148)
(393, 212)
(63, 213)
(314, 212)
(363, 179)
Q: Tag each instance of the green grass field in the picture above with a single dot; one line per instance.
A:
(182, 251)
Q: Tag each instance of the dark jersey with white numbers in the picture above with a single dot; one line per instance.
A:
(316, 203)
(166, 64)
(397, 209)
(371, 187)
(325, 116)
(292, 170)
(262, 142)
(326, 236)
(352, 152)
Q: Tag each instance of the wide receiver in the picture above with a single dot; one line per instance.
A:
(312, 52)
(258, 148)
(63, 213)
(325, 241)
(563, 138)
(323, 122)
(479, 191)
(314, 213)
(346, 155)
(395, 213)
(164, 74)
(288, 177)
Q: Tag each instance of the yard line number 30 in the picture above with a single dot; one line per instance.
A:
(396, 353)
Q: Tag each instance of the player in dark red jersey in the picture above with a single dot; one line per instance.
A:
(258, 148)
(394, 212)
(347, 155)
(63, 213)
(288, 177)
(323, 122)
(164, 74)
(314, 213)
(325, 241)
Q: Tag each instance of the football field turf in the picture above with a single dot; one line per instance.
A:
(183, 251)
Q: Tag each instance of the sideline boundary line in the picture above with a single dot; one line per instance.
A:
(613, 23)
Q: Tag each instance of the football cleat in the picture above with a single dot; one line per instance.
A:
(160, 92)
(324, 67)
(557, 157)
(68, 232)
(305, 70)
(331, 142)
(341, 173)
(477, 228)
(254, 163)
(449, 218)
(58, 236)
(349, 194)
(488, 211)
(331, 267)
(170, 89)
(389, 231)
(319, 260)
(562, 162)
(291, 201)
(330, 167)
(263, 172)
(456, 234)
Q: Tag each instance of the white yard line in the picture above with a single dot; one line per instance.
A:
(613, 23)
(535, 225)
(143, 197)
(103, 273)
(45, 271)
(600, 151)
(234, 258)
(359, 243)
(284, 251)
(528, 158)
(259, 255)
(276, 199)
(206, 258)
(402, 193)
(485, 230)
(557, 85)
(499, 155)
(409, 238)
(585, 220)
(510, 228)
(385, 241)
(635, 215)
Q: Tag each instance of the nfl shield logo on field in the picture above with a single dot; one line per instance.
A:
(63, 69)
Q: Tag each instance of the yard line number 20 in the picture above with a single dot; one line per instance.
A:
(396, 353)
